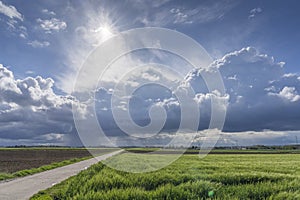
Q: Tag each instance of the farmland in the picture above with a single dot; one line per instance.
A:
(217, 176)
(16, 162)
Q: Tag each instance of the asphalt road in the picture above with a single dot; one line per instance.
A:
(25, 187)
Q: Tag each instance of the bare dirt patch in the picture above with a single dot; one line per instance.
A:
(12, 160)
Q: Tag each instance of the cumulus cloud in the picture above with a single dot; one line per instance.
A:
(48, 12)
(30, 109)
(10, 11)
(38, 44)
(222, 101)
(261, 95)
(264, 137)
(53, 24)
(254, 12)
(232, 139)
(289, 93)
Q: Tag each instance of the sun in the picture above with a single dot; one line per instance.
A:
(104, 31)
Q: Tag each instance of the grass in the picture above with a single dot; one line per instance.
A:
(218, 151)
(217, 176)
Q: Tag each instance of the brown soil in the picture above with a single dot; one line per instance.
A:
(19, 159)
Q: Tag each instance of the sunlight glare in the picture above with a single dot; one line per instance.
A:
(104, 31)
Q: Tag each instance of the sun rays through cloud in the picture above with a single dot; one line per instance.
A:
(254, 45)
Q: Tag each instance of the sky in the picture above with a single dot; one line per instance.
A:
(254, 45)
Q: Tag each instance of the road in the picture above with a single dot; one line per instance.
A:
(25, 187)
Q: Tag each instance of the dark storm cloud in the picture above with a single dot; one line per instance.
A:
(259, 96)
(30, 110)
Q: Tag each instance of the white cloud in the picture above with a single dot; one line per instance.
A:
(257, 87)
(177, 14)
(17, 29)
(53, 24)
(265, 137)
(289, 93)
(234, 139)
(7, 81)
(22, 35)
(141, 4)
(150, 77)
(48, 12)
(31, 106)
(12, 24)
(254, 12)
(221, 101)
(288, 75)
(229, 139)
(29, 72)
(38, 44)
(249, 78)
(10, 11)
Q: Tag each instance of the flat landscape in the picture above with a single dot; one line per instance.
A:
(149, 100)
(217, 176)
(25, 187)
(15, 162)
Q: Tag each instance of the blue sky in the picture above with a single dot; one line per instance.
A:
(227, 27)
(251, 41)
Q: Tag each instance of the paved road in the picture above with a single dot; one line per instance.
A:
(24, 188)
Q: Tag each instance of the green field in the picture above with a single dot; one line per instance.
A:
(216, 151)
(217, 176)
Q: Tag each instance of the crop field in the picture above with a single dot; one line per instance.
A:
(15, 159)
(217, 176)
(214, 151)
(15, 162)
